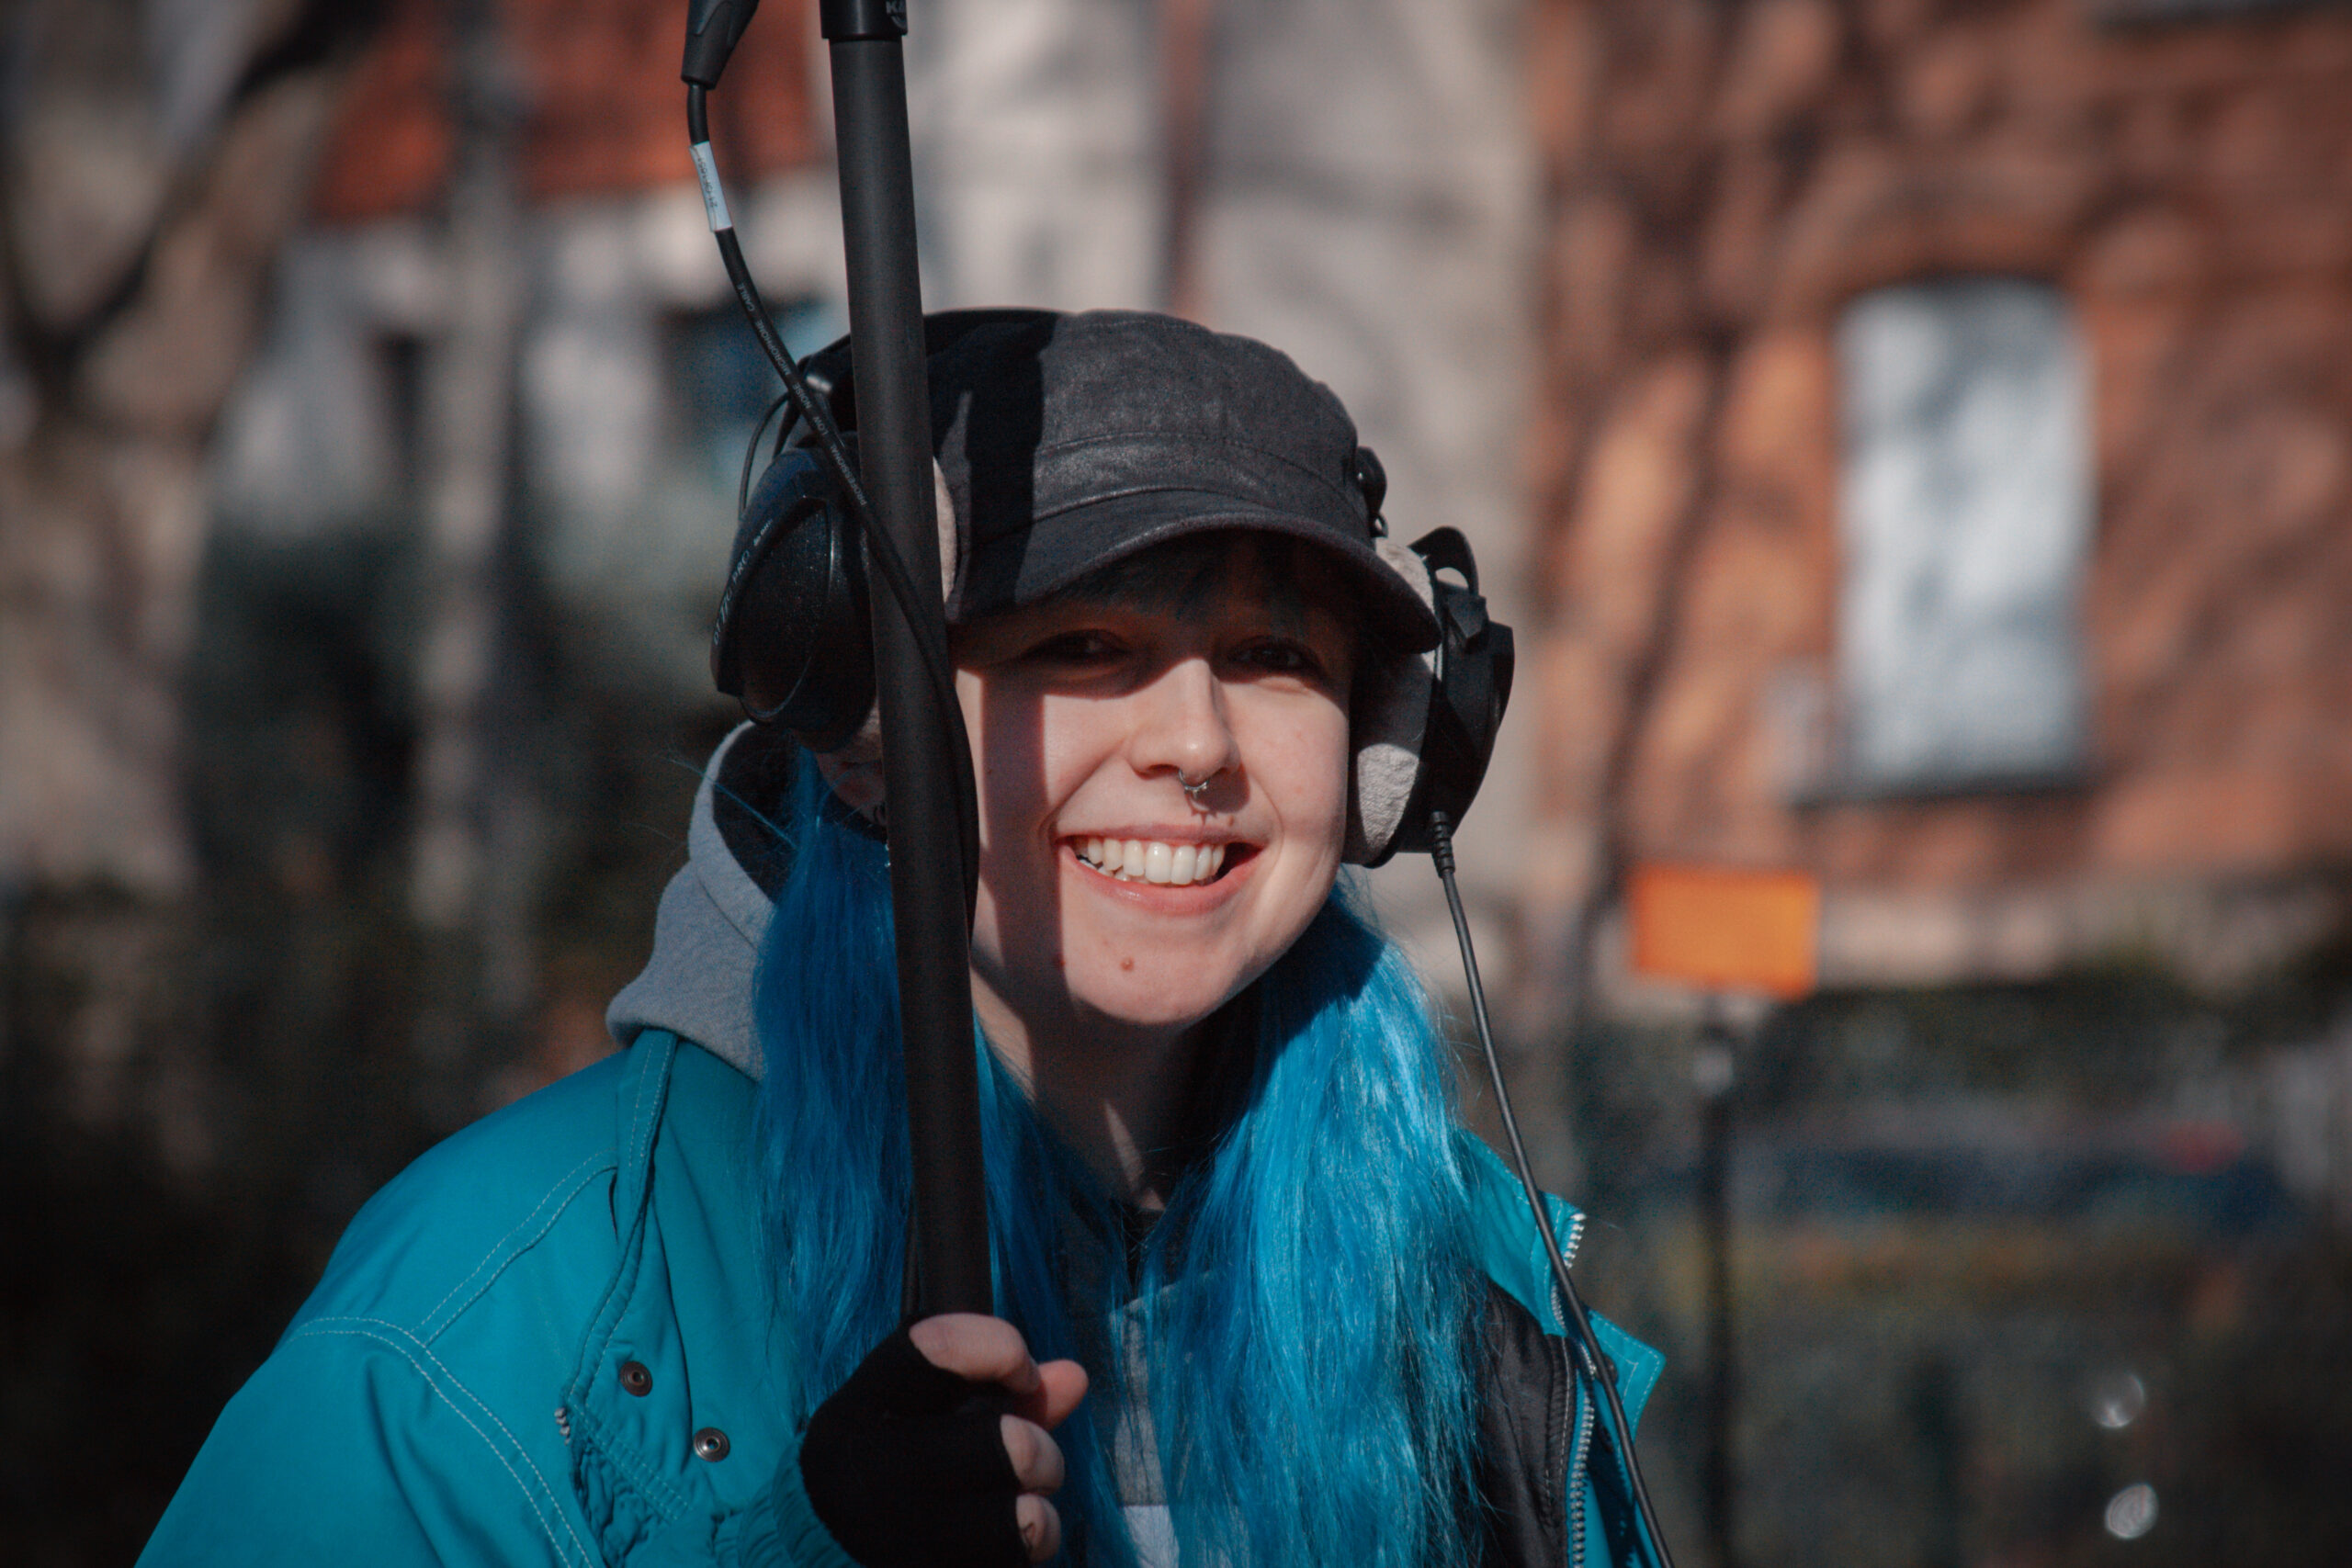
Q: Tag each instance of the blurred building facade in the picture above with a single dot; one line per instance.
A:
(1942, 475)
(1940, 481)
(158, 156)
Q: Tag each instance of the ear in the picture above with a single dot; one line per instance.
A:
(854, 772)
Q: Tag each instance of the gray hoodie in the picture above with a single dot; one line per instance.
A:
(714, 914)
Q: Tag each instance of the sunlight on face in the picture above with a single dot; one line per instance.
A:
(1111, 905)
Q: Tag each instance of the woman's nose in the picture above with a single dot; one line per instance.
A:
(1184, 726)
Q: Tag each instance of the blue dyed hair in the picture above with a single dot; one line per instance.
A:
(1307, 1306)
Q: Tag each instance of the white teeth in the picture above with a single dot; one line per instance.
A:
(1140, 860)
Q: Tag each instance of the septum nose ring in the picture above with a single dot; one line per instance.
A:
(1194, 789)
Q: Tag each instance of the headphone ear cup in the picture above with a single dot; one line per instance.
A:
(792, 640)
(1476, 662)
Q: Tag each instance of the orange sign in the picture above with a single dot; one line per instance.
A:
(1727, 930)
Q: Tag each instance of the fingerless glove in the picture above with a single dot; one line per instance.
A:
(906, 1465)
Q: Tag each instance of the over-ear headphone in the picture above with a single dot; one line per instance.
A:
(792, 641)
(1469, 688)
(793, 644)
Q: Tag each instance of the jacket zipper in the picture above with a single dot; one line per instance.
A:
(1581, 1453)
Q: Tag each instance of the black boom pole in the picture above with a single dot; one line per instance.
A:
(920, 757)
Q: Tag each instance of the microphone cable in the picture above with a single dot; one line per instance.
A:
(810, 408)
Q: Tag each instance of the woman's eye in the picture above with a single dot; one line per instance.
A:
(1083, 647)
(1280, 657)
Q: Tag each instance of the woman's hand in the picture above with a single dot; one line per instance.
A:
(936, 1450)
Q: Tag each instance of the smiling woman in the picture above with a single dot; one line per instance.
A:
(1260, 1299)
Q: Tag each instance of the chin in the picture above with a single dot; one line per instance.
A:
(1171, 996)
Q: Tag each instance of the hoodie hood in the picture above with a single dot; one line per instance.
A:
(714, 914)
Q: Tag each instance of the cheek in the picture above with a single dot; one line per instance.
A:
(1304, 762)
(1008, 751)
(1030, 752)
(1008, 760)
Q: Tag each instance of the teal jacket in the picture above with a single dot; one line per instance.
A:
(548, 1341)
(551, 1339)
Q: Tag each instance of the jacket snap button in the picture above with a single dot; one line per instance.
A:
(635, 1379)
(710, 1443)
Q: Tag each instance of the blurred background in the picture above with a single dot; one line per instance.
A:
(1912, 438)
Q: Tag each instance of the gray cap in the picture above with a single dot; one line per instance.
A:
(1069, 441)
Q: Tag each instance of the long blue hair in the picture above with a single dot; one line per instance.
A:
(1305, 1310)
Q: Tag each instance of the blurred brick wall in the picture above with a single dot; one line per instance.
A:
(603, 115)
(1723, 179)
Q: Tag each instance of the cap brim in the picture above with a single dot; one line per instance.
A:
(1055, 551)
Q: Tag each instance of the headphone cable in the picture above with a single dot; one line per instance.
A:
(752, 452)
(1598, 1369)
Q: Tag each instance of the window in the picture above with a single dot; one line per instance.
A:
(1965, 517)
